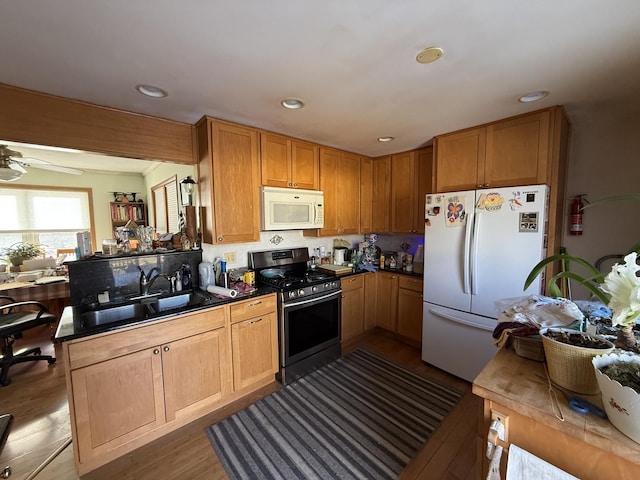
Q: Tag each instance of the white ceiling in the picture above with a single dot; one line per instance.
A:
(351, 61)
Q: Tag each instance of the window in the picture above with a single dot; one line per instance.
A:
(165, 206)
(49, 216)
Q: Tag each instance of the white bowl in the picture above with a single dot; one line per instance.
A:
(622, 404)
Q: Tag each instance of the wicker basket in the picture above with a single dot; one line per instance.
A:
(529, 347)
(570, 366)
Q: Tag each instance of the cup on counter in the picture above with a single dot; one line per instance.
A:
(109, 246)
(249, 277)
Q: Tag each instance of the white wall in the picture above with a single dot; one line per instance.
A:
(604, 161)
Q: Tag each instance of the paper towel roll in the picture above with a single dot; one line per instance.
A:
(523, 465)
(225, 292)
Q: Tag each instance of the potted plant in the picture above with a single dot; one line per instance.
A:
(18, 252)
(618, 378)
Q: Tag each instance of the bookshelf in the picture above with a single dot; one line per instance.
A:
(122, 212)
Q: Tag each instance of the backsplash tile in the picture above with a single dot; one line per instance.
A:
(120, 276)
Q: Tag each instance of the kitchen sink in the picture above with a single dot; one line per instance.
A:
(94, 318)
(182, 300)
(142, 308)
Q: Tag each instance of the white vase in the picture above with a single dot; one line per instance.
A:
(622, 404)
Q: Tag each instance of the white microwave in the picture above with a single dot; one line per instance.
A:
(291, 209)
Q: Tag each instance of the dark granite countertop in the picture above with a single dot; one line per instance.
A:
(70, 326)
(394, 270)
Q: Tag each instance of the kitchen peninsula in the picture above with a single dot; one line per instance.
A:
(586, 446)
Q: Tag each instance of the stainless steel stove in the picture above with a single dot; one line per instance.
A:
(309, 310)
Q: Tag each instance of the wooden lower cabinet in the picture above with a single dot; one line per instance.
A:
(370, 295)
(254, 346)
(387, 301)
(131, 386)
(398, 304)
(410, 308)
(116, 401)
(352, 307)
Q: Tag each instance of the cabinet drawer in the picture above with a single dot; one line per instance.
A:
(352, 283)
(410, 283)
(91, 350)
(253, 308)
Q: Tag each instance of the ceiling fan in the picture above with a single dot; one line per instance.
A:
(12, 165)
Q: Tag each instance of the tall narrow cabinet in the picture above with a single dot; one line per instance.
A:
(229, 181)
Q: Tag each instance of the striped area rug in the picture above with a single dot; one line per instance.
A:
(359, 417)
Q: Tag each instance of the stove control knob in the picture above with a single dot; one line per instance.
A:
(334, 284)
(301, 292)
(314, 289)
(292, 294)
(326, 285)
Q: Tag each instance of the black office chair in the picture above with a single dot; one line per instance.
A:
(12, 324)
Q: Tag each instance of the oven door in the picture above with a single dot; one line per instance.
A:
(309, 326)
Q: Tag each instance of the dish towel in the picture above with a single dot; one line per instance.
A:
(523, 465)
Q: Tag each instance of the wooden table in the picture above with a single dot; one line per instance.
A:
(585, 446)
(55, 296)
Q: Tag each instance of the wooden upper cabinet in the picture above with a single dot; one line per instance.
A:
(403, 183)
(340, 183)
(289, 163)
(349, 193)
(304, 165)
(229, 181)
(381, 205)
(411, 181)
(510, 152)
(424, 160)
(366, 195)
(458, 159)
(517, 151)
(329, 162)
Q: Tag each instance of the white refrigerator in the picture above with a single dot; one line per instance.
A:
(479, 247)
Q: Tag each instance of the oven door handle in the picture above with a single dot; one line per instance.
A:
(311, 300)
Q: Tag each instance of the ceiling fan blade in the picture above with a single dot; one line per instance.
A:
(57, 168)
(16, 166)
(30, 161)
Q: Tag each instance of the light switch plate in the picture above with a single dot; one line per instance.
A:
(230, 257)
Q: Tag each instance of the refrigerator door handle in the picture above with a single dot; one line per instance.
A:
(474, 255)
(466, 287)
(453, 319)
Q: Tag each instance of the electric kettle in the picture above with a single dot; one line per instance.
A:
(339, 255)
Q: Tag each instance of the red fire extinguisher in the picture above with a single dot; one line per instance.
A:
(575, 215)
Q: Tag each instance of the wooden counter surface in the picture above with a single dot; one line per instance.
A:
(55, 296)
(510, 381)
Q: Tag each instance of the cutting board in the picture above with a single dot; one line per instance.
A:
(334, 269)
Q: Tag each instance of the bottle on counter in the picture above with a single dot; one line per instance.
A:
(381, 261)
(187, 279)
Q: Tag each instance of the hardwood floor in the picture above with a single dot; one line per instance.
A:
(38, 401)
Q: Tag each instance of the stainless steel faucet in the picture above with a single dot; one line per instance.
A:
(148, 279)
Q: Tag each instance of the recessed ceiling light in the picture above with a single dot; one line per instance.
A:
(385, 139)
(429, 54)
(533, 96)
(292, 103)
(151, 90)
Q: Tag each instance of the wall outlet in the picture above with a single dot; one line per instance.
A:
(230, 258)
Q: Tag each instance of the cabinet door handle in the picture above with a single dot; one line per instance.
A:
(220, 239)
(251, 322)
(166, 349)
(295, 184)
(254, 304)
(156, 351)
